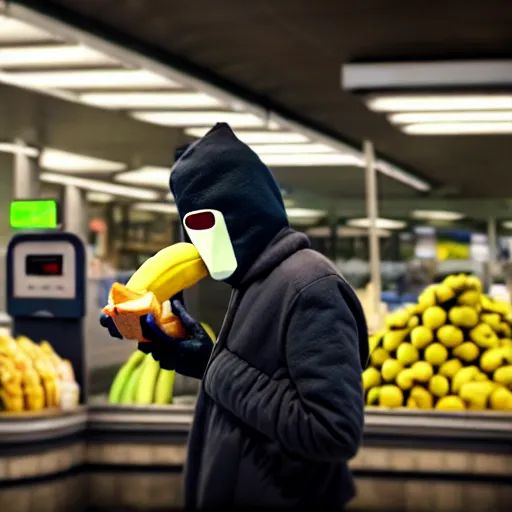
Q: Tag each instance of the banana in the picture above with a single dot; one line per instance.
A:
(11, 403)
(147, 382)
(129, 391)
(123, 375)
(162, 276)
(169, 271)
(164, 387)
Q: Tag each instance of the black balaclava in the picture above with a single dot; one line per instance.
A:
(220, 172)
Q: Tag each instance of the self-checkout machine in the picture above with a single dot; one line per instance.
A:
(46, 282)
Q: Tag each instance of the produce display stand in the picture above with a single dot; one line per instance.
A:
(408, 458)
(42, 426)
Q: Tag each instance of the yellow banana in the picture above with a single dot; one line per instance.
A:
(171, 270)
(162, 276)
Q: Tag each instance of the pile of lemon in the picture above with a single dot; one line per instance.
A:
(450, 352)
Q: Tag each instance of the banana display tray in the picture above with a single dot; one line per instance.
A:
(45, 425)
(379, 423)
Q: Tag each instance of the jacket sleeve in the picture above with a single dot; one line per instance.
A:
(318, 412)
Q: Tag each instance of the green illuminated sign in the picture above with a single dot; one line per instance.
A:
(36, 214)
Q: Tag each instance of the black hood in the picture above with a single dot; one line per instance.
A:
(222, 173)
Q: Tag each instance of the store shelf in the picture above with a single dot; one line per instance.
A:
(140, 421)
(40, 427)
(475, 426)
(485, 426)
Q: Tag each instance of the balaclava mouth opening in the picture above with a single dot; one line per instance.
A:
(221, 174)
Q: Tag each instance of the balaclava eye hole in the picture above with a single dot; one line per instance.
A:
(207, 230)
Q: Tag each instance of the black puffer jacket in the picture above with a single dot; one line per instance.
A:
(280, 410)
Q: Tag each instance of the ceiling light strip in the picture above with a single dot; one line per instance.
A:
(437, 215)
(293, 149)
(434, 74)
(182, 119)
(52, 56)
(451, 117)
(458, 129)
(256, 137)
(99, 186)
(438, 102)
(308, 160)
(18, 149)
(13, 31)
(157, 208)
(90, 79)
(145, 100)
(158, 177)
(380, 223)
(58, 160)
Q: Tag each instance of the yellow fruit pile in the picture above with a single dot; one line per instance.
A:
(30, 375)
(451, 352)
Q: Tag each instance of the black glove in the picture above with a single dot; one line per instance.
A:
(187, 356)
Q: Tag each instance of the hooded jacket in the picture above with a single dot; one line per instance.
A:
(280, 410)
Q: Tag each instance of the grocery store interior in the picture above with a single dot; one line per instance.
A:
(387, 126)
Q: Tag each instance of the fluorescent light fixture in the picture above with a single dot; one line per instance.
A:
(13, 31)
(293, 149)
(437, 215)
(305, 216)
(343, 232)
(11, 147)
(439, 102)
(92, 79)
(154, 176)
(52, 56)
(380, 223)
(257, 137)
(403, 177)
(507, 224)
(319, 159)
(383, 76)
(184, 119)
(157, 208)
(305, 212)
(160, 99)
(451, 117)
(458, 129)
(99, 186)
(57, 160)
(99, 197)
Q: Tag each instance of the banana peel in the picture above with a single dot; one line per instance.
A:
(170, 271)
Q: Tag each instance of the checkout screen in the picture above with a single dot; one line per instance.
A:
(43, 265)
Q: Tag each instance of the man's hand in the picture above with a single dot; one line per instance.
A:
(187, 356)
(169, 351)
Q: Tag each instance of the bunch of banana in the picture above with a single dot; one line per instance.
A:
(11, 391)
(170, 271)
(45, 368)
(30, 375)
(141, 381)
(450, 351)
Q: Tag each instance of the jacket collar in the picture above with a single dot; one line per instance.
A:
(283, 245)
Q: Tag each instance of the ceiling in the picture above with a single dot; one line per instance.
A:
(113, 136)
(287, 55)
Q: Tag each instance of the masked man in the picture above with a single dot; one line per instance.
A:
(280, 411)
